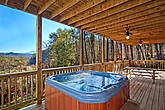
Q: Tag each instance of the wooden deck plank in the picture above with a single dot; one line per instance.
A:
(155, 102)
(134, 86)
(145, 88)
(146, 96)
(161, 105)
(138, 85)
(139, 91)
(164, 93)
(150, 98)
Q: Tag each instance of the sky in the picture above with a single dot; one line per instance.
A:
(18, 30)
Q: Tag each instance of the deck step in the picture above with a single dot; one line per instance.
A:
(131, 105)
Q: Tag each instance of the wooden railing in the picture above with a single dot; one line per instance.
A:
(158, 64)
(55, 71)
(96, 66)
(18, 89)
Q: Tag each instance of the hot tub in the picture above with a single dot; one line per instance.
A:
(86, 90)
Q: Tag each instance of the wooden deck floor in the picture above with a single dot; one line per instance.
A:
(151, 96)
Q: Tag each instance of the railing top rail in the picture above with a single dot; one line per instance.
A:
(60, 68)
(151, 60)
(17, 74)
(92, 64)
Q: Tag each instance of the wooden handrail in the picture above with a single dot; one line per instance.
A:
(16, 89)
(158, 64)
(17, 74)
(24, 83)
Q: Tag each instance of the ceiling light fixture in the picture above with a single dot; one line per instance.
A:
(127, 33)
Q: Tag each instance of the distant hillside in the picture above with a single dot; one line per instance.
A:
(25, 55)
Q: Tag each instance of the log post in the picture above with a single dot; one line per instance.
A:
(103, 54)
(114, 57)
(129, 55)
(81, 49)
(39, 58)
(123, 53)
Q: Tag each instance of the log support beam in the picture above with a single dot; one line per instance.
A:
(6, 1)
(123, 54)
(129, 54)
(114, 56)
(81, 48)
(26, 4)
(39, 58)
(103, 54)
(46, 6)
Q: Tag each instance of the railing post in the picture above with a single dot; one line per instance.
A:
(103, 54)
(81, 49)
(39, 58)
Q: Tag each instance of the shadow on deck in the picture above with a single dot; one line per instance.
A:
(151, 96)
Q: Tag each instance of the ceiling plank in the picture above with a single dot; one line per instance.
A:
(132, 18)
(82, 8)
(63, 8)
(139, 11)
(112, 14)
(109, 4)
(26, 4)
(46, 6)
(131, 23)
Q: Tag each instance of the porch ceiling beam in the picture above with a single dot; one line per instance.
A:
(109, 4)
(147, 29)
(104, 14)
(160, 39)
(26, 4)
(46, 6)
(138, 37)
(63, 8)
(132, 18)
(135, 12)
(135, 28)
(83, 7)
(151, 41)
(131, 24)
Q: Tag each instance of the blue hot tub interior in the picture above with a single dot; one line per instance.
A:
(88, 84)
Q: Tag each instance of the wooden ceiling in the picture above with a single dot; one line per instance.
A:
(144, 18)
